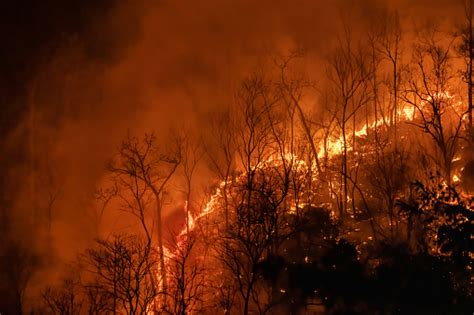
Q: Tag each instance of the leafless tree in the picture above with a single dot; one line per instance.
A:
(257, 231)
(297, 136)
(261, 195)
(97, 298)
(122, 270)
(386, 177)
(192, 154)
(390, 48)
(241, 248)
(222, 158)
(65, 299)
(466, 50)
(350, 77)
(384, 169)
(187, 277)
(103, 196)
(144, 170)
(429, 91)
(292, 91)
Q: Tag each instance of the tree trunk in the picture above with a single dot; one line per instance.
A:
(160, 244)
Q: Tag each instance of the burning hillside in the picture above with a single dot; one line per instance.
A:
(242, 158)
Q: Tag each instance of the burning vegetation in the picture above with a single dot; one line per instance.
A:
(350, 195)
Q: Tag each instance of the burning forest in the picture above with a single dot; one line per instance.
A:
(237, 157)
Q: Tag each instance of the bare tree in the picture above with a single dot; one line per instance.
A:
(297, 137)
(261, 195)
(192, 154)
(187, 277)
(292, 92)
(242, 247)
(466, 50)
(258, 229)
(142, 167)
(223, 158)
(65, 299)
(386, 177)
(122, 269)
(384, 169)
(103, 196)
(390, 48)
(349, 74)
(429, 92)
(97, 298)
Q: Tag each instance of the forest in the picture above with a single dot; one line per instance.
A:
(342, 185)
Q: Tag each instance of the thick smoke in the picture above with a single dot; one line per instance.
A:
(149, 66)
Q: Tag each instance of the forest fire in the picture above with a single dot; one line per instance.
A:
(239, 158)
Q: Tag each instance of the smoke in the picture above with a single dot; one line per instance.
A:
(148, 66)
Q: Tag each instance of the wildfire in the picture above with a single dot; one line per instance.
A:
(334, 147)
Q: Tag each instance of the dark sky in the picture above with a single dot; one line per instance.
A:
(31, 30)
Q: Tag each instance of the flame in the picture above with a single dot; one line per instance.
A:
(456, 178)
(333, 147)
